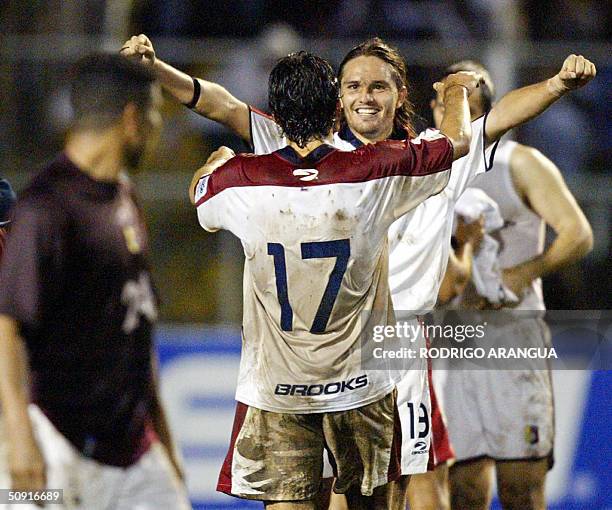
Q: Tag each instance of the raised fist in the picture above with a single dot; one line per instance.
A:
(140, 48)
(576, 72)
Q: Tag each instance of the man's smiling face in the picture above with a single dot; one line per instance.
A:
(370, 97)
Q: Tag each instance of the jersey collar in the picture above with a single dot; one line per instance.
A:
(312, 158)
(346, 134)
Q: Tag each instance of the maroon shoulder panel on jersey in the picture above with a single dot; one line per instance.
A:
(376, 161)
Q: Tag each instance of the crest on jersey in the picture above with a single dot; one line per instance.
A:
(201, 187)
(306, 174)
(131, 239)
(139, 300)
(127, 218)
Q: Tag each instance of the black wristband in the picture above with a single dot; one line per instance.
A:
(197, 89)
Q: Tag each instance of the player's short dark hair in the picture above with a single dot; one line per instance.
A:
(487, 89)
(303, 96)
(102, 84)
(376, 47)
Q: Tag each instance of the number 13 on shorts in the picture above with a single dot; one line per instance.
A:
(419, 424)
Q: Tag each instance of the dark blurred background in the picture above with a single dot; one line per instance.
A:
(236, 43)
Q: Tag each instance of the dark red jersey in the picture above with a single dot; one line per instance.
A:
(76, 279)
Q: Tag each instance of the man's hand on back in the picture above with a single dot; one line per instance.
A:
(466, 79)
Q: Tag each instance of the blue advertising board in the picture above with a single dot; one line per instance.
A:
(199, 368)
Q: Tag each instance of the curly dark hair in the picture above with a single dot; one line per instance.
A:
(376, 47)
(303, 97)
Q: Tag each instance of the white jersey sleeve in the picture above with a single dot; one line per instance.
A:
(208, 217)
(477, 161)
(216, 211)
(430, 148)
(266, 135)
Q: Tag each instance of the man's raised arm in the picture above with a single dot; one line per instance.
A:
(523, 104)
(206, 98)
(456, 125)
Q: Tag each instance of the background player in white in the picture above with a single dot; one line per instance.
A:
(288, 208)
(375, 107)
(531, 194)
(420, 241)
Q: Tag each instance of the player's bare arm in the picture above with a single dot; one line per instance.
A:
(455, 90)
(26, 464)
(525, 103)
(160, 422)
(543, 189)
(459, 268)
(214, 161)
(214, 102)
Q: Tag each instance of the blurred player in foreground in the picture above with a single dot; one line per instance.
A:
(77, 310)
(481, 405)
(376, 107)
(303, 383)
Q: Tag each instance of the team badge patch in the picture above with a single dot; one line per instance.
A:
(201, 187)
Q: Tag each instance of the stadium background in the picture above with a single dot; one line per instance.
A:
(236, 43)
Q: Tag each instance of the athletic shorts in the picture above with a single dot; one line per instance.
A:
(149, 484)
(441, 450)
(502, 414)
(279, 456)
(425, 440)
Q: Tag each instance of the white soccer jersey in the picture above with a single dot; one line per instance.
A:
(314, 233)
(524, 232)
(267, 136)
(419, 242)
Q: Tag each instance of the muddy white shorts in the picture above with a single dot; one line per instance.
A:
(502, 414)
(425, 439)
(279, 457)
